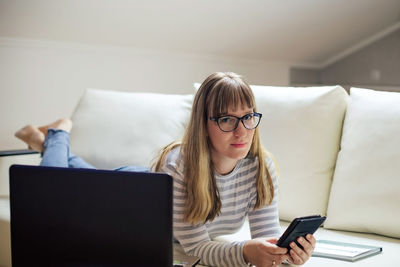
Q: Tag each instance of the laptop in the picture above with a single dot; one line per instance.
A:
(86, 217)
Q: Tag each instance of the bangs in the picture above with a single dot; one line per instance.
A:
(227, 93)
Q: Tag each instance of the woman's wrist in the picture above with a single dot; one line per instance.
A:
(245, 254)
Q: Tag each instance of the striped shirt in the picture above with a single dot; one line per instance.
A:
(238, 197)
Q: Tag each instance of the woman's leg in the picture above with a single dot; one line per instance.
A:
(57, 153)
(53, 142)
(56, 149)
(77, 162)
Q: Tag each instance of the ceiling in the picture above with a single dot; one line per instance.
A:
(298, 31)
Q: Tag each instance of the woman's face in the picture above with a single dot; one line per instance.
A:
(228, 147)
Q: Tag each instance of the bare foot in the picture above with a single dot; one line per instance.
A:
(61, 124)
(32, 136)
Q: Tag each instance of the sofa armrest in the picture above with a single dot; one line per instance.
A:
(17, 152)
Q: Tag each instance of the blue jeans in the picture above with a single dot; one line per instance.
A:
(57, 154)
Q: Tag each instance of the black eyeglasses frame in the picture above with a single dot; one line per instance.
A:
(255, 114)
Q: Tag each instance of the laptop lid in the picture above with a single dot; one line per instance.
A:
(85, 217)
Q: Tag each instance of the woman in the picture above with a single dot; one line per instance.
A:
(221, 175)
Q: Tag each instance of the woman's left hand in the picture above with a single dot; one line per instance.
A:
(300, 256)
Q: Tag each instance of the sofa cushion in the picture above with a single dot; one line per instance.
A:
(302, 128)
(113, 129)
(365, 191)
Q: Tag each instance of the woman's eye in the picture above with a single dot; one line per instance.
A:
(248, 117)
(225, 120)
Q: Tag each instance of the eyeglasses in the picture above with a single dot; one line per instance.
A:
(230, 123)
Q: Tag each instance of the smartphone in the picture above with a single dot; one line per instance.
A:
(300, 226)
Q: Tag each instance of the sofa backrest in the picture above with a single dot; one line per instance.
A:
(300, 126)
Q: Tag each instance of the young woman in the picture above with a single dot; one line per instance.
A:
(221, 175)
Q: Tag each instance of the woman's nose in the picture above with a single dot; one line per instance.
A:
(240, 130)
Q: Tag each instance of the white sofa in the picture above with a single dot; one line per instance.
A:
(339, 155)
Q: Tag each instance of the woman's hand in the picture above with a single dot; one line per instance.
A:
(264, 252)
(300, 256)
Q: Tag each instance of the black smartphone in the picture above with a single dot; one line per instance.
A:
(300, 226)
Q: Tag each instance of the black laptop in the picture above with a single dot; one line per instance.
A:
(84, 217)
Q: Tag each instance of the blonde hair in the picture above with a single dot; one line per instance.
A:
(215, 95)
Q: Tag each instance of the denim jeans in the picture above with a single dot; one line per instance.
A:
(57, 154)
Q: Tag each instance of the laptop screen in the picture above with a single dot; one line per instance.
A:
(84, 217)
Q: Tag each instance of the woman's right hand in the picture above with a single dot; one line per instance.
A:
(264, 253)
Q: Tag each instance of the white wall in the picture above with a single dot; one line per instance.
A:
(42, 81)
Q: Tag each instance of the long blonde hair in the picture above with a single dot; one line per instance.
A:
(213, 98)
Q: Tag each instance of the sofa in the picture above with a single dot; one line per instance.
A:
(338, 155)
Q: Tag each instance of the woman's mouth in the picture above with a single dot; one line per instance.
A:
(239, 145)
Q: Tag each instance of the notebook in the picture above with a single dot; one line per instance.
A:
(86, 217)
